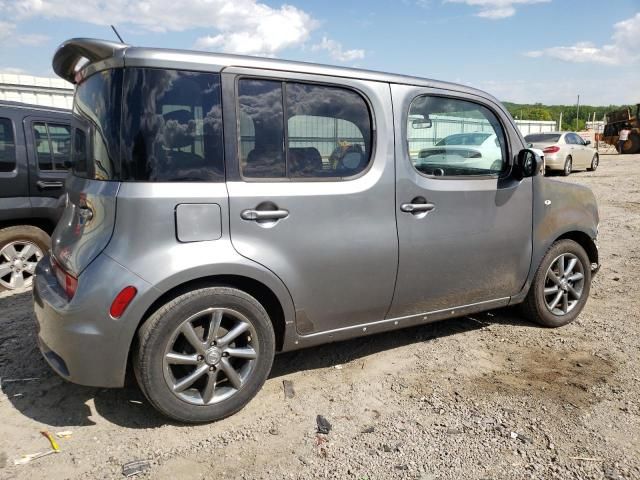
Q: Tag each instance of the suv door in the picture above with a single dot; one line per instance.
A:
(49, 151)
(464, 225)
(320, 212)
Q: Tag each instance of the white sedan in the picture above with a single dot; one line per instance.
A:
(564, 151)
(477, 150)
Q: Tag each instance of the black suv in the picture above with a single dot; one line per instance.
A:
(35, 155)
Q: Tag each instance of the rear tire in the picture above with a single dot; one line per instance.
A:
(632, 145)
(167, 358)
(594, 163)
(568, 165)
(21, 247)
(545, 303)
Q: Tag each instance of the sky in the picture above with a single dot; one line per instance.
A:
(524, 51)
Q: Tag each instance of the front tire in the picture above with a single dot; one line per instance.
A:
(594, 163)
(204, 355)
(561, 286)
(568, 166)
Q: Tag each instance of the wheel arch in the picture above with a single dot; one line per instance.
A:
(585, 241)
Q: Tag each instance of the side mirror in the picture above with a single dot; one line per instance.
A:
(528, 164)
(587, 142)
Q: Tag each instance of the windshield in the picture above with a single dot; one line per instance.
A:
(464, 139)
(543, 138)
(96, 109)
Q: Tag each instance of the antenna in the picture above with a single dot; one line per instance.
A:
(117, 34)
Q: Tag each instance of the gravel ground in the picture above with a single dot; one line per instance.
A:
(486, 397)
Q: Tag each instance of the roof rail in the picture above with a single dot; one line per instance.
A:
(72, 52)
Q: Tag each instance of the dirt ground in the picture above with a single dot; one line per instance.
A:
(487, 397)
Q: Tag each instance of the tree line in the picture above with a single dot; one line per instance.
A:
(539, 111)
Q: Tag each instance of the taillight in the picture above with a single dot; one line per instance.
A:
(68, 282)
(551, 149)
(122, 301)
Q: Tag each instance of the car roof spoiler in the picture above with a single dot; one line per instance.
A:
(74, 54)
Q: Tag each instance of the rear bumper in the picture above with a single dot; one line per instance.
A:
(78, 338)
(553, 162)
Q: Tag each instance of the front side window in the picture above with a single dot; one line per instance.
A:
(7, 146)
(53, 146)
(172, 126)
(296, 130)
(452, 137)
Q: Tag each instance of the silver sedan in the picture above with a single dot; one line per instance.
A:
(564, 151)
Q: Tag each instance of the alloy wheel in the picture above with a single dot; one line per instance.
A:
(18, 262)
(210, 356)
(564, 283)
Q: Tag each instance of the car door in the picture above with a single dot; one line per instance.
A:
(48, 143)
(311, 190)
(583, 151)
(464, 226)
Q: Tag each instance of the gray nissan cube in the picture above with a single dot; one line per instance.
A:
(224, 208)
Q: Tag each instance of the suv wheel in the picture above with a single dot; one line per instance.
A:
(561, 285)
(21, 248)
(594, 163)
(204, 355)
(568, 165)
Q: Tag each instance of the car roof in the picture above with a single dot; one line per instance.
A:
(6, 104)
(112, 54)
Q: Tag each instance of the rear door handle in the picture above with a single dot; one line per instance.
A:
(417, 207)
(264, 214)
(42, 185)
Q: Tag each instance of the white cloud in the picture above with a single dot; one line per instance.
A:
(9, 34)
(239, 26)
(624, 48)
(337, 52)
(496, 9)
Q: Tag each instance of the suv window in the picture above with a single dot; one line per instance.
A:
(172, 126)
(452, 137)
(7, 146)
(327, 132)
(53, 146)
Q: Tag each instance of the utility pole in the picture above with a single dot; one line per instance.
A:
(560, 126)
(578, 113)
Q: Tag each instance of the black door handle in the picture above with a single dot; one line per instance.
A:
(43, 185)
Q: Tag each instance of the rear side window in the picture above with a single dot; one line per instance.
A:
(96, 108)
(453, 137)
(296, 130)
(7, 146)
(53, 146)
(172, 126)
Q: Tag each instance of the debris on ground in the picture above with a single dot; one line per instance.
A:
(64, 434)
(289, 392)
(324, 426)
(18, 380)
(338, 367)
(135, 468)
(33, 456)
(52, 441)
(369, 430)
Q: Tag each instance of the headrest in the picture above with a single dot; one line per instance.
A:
(178, 129)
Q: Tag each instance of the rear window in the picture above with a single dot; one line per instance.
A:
(53, 146)
(97, 110)
(150, 125)
(172, 126)
(7, 146)
(542, 138)
(297, 130)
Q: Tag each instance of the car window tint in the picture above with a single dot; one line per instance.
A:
(43, 147)
(172, 126)
(7, 146)
(96, 107)
(452, 137)
(261, 129)
(328, 131)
